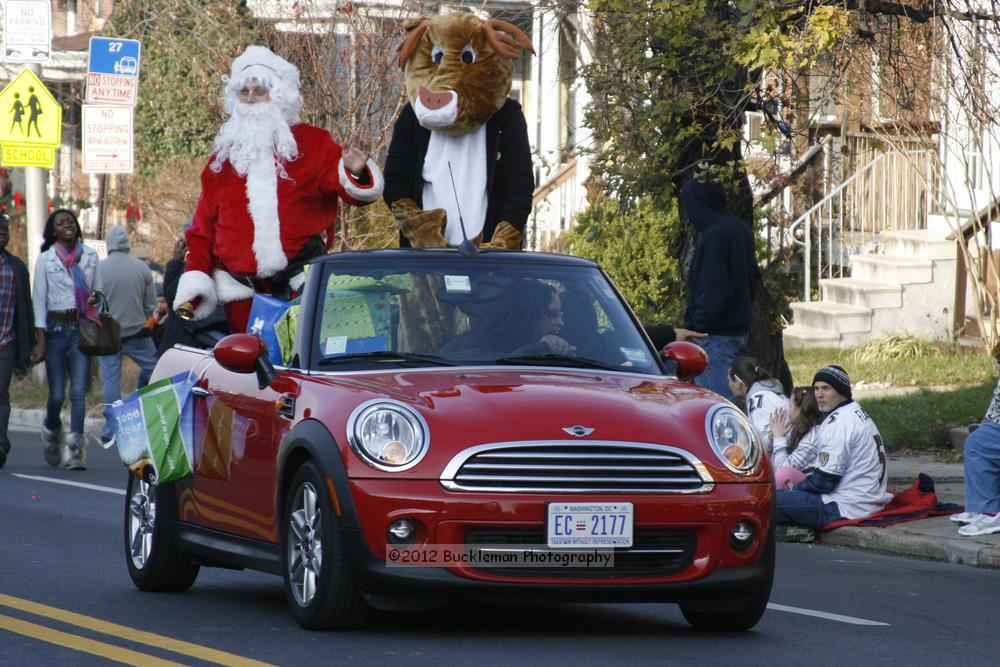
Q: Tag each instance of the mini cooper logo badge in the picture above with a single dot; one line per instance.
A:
(578, 431)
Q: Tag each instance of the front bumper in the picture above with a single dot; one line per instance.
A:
(713, 567)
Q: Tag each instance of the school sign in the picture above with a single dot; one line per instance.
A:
(31, 124)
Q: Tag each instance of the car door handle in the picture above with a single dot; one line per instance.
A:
(201, 391)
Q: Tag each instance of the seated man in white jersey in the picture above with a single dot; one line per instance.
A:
(849, 481)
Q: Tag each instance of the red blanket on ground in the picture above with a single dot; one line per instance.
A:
(917, 502)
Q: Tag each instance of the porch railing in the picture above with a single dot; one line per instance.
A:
(554, 204)
(891, 192)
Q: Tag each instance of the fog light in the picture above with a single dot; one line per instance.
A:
(402, 531)
(742, 537)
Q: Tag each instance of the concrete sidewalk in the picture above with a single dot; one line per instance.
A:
(935, 538)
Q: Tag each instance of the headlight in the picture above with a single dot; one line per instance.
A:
(388, 435)
(733, 438)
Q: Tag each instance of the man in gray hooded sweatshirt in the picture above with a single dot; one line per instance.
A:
(128, 286)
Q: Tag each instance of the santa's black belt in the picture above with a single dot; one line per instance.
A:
(274, 285)
(277, 285)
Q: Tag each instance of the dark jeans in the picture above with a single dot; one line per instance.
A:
(801, 508)
(62, 352)
(8, 359)
(721, 351)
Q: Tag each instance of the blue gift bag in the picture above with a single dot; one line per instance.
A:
(265, 315)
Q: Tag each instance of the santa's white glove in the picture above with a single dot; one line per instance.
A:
(195, 285)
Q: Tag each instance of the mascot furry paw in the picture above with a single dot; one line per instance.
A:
(459, 163)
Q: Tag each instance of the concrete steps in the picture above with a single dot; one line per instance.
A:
(858, 292)
(832, 316)
(796, 335)
(892, 269)
(909, 289)
(919, 243)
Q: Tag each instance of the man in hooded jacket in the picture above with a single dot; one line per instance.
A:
(128, 286)
(721, 282)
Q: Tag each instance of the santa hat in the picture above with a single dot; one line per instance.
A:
(281, 78)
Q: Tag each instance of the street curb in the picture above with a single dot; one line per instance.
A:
(31, 420)
(897, 540)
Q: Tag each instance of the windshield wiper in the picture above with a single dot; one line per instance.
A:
(555, 360)
(387, 356)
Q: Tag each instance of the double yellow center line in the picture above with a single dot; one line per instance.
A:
(104, 649)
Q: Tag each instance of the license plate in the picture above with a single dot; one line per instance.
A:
(589, 525)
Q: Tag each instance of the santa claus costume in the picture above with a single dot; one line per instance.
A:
(270, 190)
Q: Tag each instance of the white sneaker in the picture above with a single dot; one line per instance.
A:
(986, 524)
(964, 518)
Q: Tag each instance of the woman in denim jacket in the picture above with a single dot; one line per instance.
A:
(65, 290)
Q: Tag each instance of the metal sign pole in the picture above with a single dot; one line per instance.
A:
(102, 203)
(35, 213)
(36, 204)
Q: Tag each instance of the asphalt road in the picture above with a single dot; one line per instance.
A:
(65, 597)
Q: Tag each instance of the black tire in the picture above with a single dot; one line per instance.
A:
(153, 562)
(735, 614)
(320, 588)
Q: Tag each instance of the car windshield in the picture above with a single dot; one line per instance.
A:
(442, 309)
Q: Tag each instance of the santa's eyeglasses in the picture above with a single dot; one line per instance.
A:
(254, 94)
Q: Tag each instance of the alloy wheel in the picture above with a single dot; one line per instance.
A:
(141, 523)
(305, 546)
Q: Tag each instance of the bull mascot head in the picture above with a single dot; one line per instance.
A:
(458, 69)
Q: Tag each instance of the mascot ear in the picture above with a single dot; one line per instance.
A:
(506, 44)
(415, 29)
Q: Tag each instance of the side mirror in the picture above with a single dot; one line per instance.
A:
(245, 353)
(691, 359)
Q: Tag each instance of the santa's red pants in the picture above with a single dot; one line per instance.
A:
(238, 314)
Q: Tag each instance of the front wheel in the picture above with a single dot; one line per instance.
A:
(321, 590)
(739, 613)
(153, 562)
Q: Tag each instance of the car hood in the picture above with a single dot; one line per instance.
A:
(479, 406)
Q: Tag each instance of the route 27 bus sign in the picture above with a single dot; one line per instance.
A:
(113, 71)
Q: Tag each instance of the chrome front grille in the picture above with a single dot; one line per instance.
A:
(576, 467)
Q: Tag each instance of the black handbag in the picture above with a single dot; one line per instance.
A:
(100, 337)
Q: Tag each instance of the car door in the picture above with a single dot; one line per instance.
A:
(237, 432)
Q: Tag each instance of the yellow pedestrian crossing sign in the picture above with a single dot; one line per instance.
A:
(29, 114)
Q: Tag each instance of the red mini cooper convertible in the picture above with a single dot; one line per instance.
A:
(447, 426)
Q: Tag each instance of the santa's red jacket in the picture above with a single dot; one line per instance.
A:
(234, 229)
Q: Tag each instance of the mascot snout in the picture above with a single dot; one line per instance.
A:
(435, 101)
(436, 110)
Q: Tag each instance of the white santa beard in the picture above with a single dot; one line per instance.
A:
(254, 131)
(255, 140)
(262, 202)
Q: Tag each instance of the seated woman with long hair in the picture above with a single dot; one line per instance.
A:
(794, 433)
